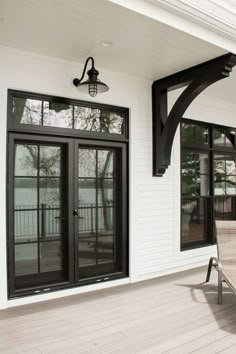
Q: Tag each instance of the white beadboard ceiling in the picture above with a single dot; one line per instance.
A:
(73, 30)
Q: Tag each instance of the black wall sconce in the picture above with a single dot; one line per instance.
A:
(93, 85)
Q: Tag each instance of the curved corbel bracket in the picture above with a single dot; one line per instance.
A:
(197, 79)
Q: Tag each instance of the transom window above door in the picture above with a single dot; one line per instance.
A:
(45, 112)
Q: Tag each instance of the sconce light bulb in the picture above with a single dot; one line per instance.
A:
(92, 89)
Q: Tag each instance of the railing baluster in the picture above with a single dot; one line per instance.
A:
(43, 229)
(25, 222)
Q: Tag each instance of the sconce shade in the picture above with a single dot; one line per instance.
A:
(93, 85)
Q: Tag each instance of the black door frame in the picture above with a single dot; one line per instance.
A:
(15, 138)
(123, 208)
(72, 145)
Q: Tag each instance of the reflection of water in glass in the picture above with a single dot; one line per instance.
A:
(26, 220)
(24, 197)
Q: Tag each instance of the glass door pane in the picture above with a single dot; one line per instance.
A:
(224, 186)
(40, 237)
(99, 236)
(195, 220)
(49, 244)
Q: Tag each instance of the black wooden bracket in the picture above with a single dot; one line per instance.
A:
(196, 79)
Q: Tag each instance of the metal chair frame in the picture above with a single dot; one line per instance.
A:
(224, 275)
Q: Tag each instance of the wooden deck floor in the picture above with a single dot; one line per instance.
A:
(173, 314)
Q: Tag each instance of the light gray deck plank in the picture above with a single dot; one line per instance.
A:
(173, 314)
(183, 333)
(229, 350)
(218, 346)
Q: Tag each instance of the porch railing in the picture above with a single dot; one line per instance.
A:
(48, 220)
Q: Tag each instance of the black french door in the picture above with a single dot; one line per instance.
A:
(101, 220)
(67, 215)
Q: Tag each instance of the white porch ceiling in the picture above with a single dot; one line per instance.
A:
(216, 15)
(74, 29)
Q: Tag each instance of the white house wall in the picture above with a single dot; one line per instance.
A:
(154, 202)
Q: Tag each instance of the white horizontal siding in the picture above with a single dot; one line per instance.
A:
(154, 206)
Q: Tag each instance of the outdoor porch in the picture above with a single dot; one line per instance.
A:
(174, 314)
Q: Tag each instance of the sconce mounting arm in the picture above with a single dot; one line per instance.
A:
(77, 81)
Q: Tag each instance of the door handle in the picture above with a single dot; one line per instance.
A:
(59, 217)
(76, 213)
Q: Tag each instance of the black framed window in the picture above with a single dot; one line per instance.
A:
(208, 180)
(67, 193)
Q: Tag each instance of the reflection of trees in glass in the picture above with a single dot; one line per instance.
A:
(96, 120)
(27, 111)
(57, 114)
(87, 163)
(50, 160)
(111, 123)
(105, 200)
(224, 174)
(37, 112)
(219, 166)
(48, 156)
(105, 163)
(219, 176)
(98, 164)
(42, 161)
(194, 173)
(189, 173)
(87, 118)
(191, 133)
